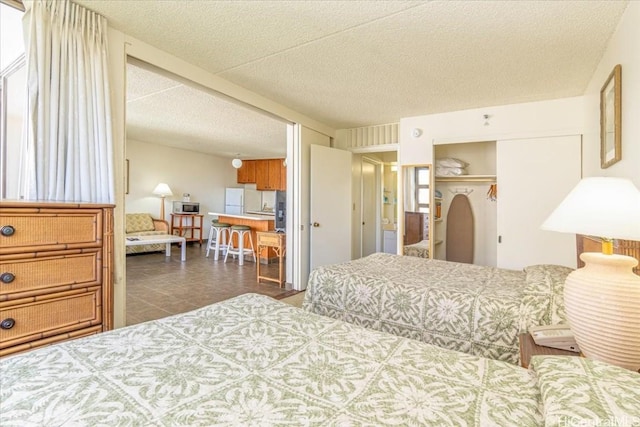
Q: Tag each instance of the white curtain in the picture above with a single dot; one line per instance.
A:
(68, 152)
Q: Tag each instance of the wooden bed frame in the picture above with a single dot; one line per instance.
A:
(621, 247)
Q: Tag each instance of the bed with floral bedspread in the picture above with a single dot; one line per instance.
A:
(475, 309)
(252, 360)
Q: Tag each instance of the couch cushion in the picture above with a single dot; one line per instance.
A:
(139, 222)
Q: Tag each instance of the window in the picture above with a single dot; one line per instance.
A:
(423, 192)
(13, 95)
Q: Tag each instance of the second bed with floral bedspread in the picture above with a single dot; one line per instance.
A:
(470, 308)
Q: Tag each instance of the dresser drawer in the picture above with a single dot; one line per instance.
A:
(80, 333)
(32, 276)
(36, 318)
(49, 230)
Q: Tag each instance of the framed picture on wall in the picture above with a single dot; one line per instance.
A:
(611, 119)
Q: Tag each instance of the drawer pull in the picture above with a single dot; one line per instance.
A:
(7, 323)
(7, 277)
(7, 230)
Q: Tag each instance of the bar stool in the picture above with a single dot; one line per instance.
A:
(240, 231)
(222, 232)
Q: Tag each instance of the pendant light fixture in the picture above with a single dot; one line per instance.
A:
(237, 162)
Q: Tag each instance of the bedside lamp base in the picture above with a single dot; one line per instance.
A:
(602, 302)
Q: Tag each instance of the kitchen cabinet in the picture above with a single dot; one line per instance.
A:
(247, 172)
(56, 261)
(269, 174)
(283, 176)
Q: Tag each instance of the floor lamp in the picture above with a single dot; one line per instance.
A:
(163, 191)
(602, 299)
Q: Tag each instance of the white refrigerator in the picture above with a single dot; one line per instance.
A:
(240, 200)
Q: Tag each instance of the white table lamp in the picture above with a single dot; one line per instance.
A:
(163, 191)
(602, 299)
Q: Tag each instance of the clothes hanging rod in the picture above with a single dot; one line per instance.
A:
(465, 191)
(466, 178)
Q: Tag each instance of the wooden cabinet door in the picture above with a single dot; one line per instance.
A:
(283, 176)
(247, 172)
(262, 175)
(270, 175)
(275, 165)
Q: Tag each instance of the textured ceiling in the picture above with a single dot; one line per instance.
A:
(358, 63)
(162, 109)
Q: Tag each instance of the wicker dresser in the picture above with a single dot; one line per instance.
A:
(55, 272)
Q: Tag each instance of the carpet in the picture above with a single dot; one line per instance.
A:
(295, 300)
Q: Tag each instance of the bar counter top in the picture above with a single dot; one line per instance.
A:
(256, 223)
(245, 216)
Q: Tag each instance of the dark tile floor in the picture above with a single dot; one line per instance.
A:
(159, 286)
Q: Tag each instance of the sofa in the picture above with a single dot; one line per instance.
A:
(143, 224)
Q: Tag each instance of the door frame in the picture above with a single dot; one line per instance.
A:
(377, 190)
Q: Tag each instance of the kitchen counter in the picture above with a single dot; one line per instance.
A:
(247, 216)
(257, 223)
(267, 213)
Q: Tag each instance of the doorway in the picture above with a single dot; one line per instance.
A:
(375, 201)
(186, 136)
(371, 207)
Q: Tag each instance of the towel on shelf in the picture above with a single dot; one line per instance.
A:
(450, 166)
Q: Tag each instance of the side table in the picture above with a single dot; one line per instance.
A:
(272, 239)
(188, 226)
(528, 348)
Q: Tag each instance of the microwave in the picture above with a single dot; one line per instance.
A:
(186, 207)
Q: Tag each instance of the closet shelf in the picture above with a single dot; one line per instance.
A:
(466, 178)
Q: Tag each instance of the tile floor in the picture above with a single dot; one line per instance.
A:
(159, 286)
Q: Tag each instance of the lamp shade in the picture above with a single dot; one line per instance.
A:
(236, 163)
(163, 190)
(599, 206)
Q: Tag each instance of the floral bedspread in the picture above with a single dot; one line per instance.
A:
(474, 309)
(252, 360)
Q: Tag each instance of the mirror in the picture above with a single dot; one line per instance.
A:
(417, 183)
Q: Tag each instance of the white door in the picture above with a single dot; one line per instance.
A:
(534, 176)
(330, 206)
(370, 208)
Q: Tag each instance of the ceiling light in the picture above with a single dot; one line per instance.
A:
(237, 162)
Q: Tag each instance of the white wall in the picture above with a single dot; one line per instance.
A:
(623, 49)
(203, 176)
(527, 120)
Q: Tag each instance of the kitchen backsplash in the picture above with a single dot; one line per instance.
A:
(268, 198)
